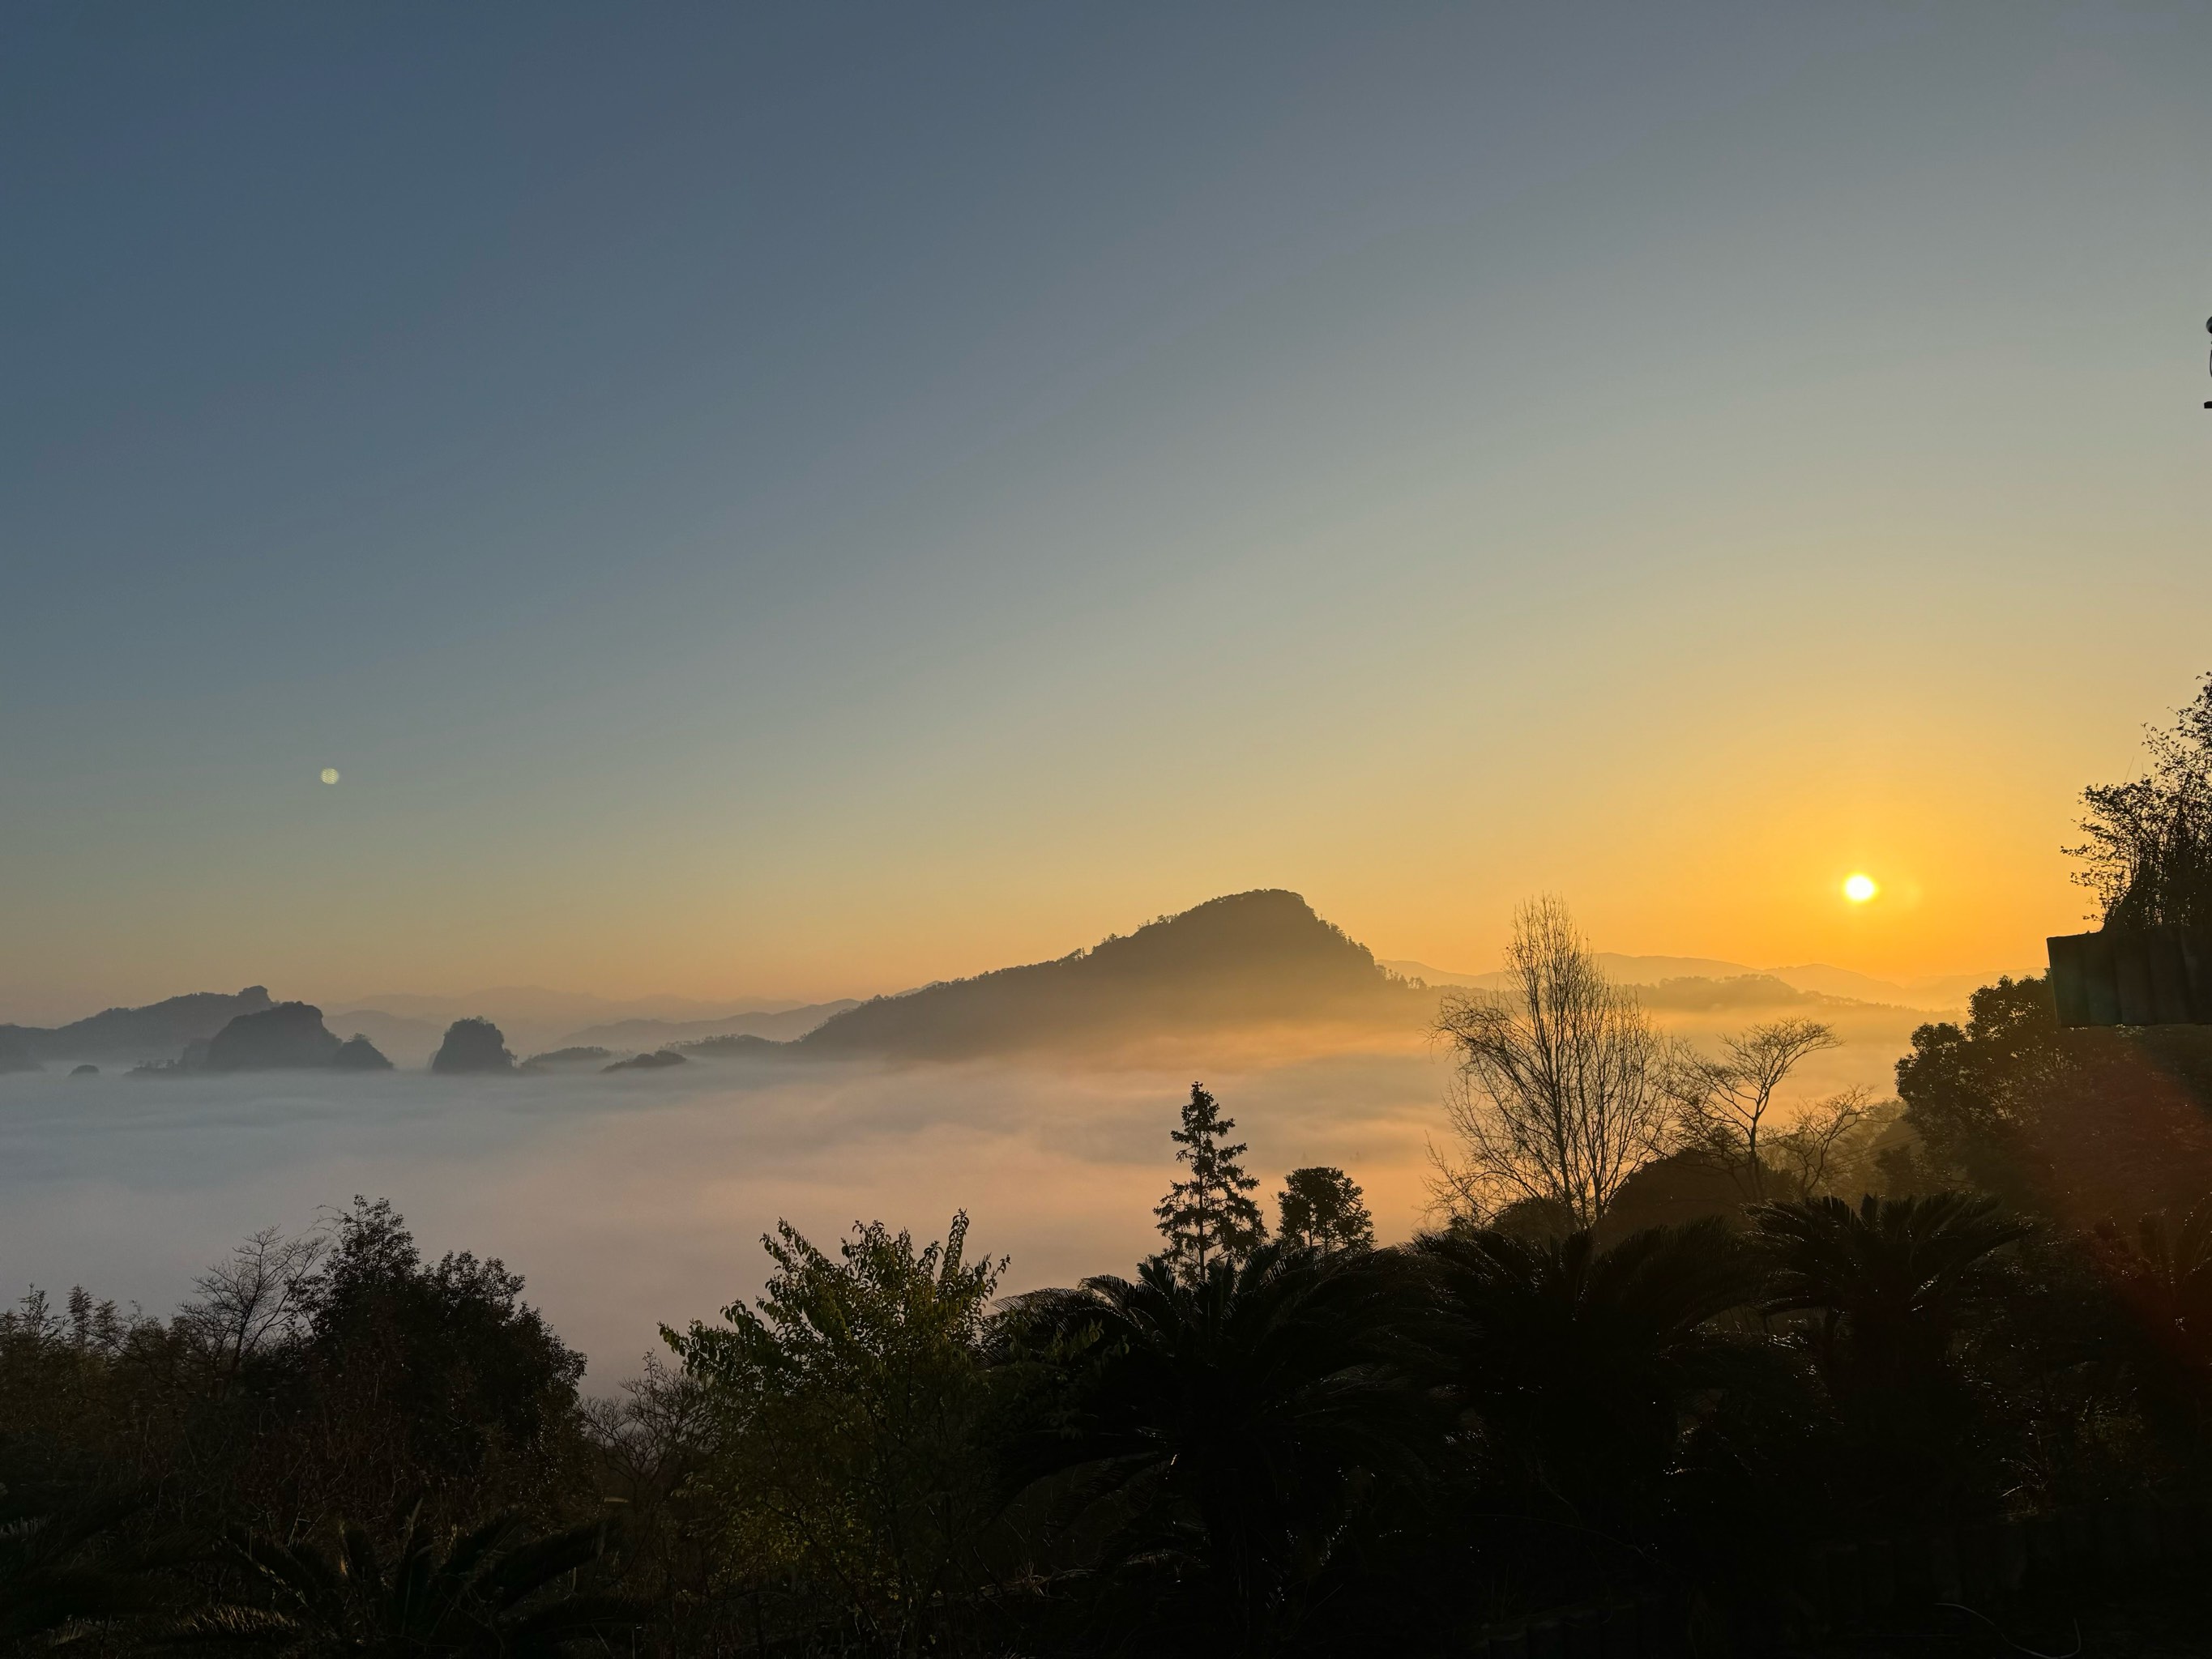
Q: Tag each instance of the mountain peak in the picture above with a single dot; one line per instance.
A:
(1251, 958)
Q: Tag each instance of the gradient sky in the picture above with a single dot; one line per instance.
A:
(807, 500)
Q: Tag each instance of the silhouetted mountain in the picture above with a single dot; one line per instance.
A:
(358, 1053)
(1257, 958)
(473, 1045)
(157, 1032)
(15, 1056)
(290, 1036)
(563, 1059)
(776, 1025)
(652, 1062)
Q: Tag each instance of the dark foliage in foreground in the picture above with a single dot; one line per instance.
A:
(493, 1590)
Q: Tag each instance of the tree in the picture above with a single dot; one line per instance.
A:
(1320, 1207)
(1725, 1103)
(1565, 1089)
(412, 1379)
(851, 1399)
(2149, 848)
(1890, 1277)
(2075, 1124)
(1242, 1418)
(1825, 1142)
(1586, 1367)
(259, 1298)
(1210, 1216)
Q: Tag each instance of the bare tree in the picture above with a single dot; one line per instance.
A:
(256, 1296)
(1564, 1088)
(1812, 1149)
(1724, 1103)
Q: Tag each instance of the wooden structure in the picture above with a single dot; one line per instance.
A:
(2133, 976)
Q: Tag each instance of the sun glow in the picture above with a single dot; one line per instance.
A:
(1859, 889)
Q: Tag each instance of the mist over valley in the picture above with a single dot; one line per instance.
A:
(1036, 1097)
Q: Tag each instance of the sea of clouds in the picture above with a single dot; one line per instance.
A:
(631, 1200)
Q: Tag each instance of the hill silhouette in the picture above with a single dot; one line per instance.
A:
(473, 1045)
(158, 1032)
(1256, 958)
(290, 1036)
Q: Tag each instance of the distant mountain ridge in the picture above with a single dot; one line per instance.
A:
(1262, 957)
(778, 1025)
(1937, 993)
(409, 1027)
(1252, 961)
(159, 1031)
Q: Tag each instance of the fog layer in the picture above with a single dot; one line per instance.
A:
(627, 1200)
(633, 1199)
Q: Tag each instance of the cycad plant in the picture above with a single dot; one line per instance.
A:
(68, 1565)
(1894, 1287)
(494, 1590)
(1584, 1369)
(1890, 1279)
(1236, 1419)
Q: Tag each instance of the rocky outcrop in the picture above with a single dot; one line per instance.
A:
(291, 1036)
(358, 1053)
(473, 1046)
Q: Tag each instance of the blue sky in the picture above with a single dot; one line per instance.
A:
(806, 499)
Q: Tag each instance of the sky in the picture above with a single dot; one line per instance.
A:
(799, 501)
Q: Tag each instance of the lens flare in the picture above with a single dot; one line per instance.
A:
(1859, 889)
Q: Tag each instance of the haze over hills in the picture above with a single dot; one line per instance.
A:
(781, 1026)
(408, 1026)
(1255, 961)
(1936, 993)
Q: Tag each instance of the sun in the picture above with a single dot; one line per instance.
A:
(1859, 889)
(330, 775)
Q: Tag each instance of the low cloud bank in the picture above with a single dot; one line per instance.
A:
(630, 1200)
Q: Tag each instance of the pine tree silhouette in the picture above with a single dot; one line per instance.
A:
(1211, 1217)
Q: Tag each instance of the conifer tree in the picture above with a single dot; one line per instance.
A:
(1322, 1208)
(1210, 1216)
